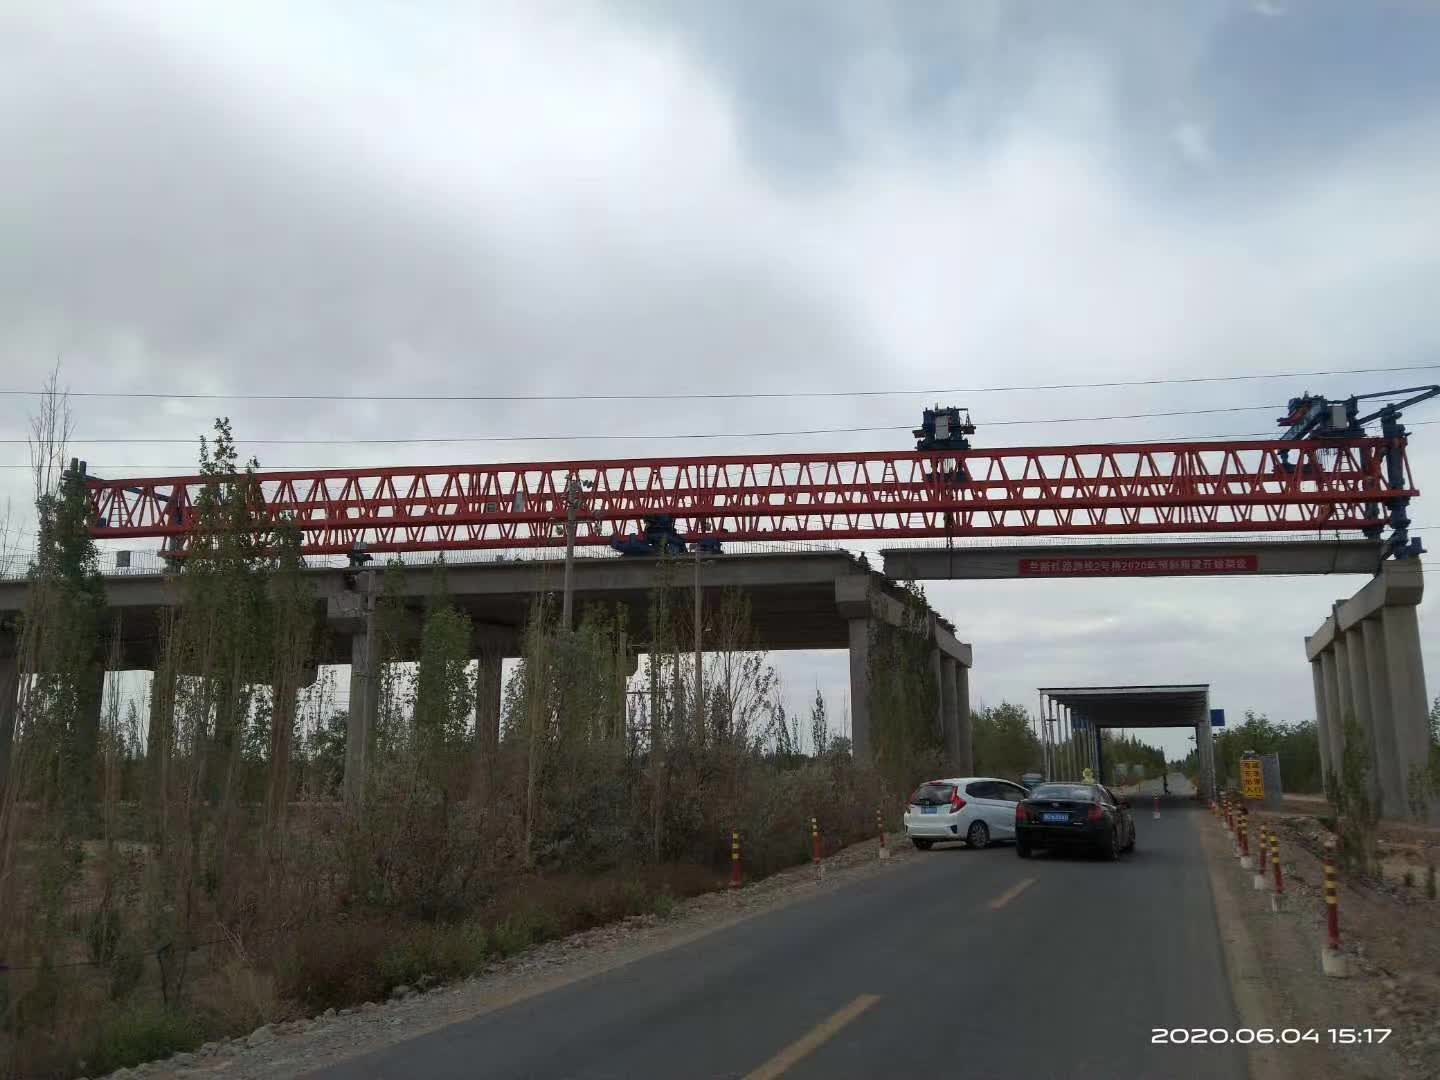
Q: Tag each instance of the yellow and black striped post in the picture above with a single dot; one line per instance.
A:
(1332, 899)
(880, 830)
(735, 858)
(815, 839)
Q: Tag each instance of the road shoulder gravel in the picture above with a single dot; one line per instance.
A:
(1273, 963)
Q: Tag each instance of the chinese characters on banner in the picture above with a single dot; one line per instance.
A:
(1121, 567)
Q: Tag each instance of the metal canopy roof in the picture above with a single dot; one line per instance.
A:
(1134, 706)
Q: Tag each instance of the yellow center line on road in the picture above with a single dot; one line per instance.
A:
(812, 1040)
(1010, 894)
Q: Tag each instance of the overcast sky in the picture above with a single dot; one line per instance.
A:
(545, 197)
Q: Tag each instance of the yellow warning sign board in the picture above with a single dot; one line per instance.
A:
(1252, 778)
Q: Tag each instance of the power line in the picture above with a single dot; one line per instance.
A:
(647, 436)
(725, 395)
(180, 467)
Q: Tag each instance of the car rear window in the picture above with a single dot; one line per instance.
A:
(1072, 792)
(932, 794)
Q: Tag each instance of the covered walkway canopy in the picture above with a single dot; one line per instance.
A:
(1072, 718)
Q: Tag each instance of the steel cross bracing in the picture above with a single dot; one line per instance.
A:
(1240, 486)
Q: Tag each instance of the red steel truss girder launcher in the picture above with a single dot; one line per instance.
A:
(1239, 486)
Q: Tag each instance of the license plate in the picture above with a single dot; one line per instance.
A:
(929, 809)
(1055, 819)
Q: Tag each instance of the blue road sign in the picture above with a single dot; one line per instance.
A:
(1217, 718)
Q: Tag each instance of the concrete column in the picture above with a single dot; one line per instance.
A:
(1205, 751)
(860, 688)
(160, 734)
(9, 709)
(487, 723)
(965, 724)
(1361, 707)
(948, 712)
(1388, 773)
(937, 678)
(1068, 720)
(1047, 752)
(1322, 717)
(1334, 718)
(1409, 707)
(364, 707)
(1066, 738)
(1342, 681)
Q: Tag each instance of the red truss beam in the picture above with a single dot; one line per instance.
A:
(1241, 486)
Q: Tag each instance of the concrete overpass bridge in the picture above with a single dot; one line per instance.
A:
(798, 600)
(1365, 658)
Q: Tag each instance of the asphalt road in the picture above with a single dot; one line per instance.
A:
(956, 963)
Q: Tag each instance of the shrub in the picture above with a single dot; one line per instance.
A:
(336, 964)
(138, 1034)
(442, 951)
(513, 934)
(126, 970)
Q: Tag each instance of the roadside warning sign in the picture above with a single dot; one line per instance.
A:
(1252, 778)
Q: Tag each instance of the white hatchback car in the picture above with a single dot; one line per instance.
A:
(977, 809)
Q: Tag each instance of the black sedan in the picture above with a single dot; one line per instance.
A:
(1088, 816)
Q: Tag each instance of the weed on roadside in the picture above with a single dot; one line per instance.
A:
(141, 1033)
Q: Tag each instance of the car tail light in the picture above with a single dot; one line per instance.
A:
(1096, 813)
(956, 803)
(1022, 813)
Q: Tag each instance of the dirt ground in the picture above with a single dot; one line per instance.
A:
(1390, 936)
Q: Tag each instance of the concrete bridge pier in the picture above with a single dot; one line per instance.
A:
(491, 648)
(860, 688)
(949, 720)
(944, 696)
(964, 723)
(950, 660)
(1366, 666)
(1205, 755)
(364, 709)
(160, 734)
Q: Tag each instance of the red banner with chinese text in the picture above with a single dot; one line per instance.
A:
(1140, 567)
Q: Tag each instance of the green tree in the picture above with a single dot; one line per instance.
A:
(819, 725)
(1298, 747)
(62, 627)
(444, 689)
(1005, 744)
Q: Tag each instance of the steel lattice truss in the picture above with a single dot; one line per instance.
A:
(1241, 486)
